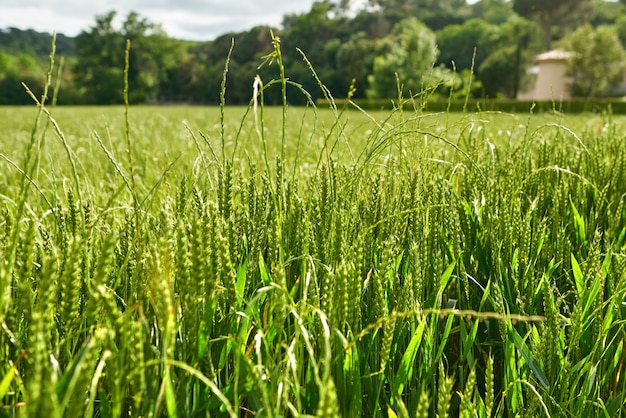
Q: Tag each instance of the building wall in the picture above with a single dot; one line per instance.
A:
(552, 83)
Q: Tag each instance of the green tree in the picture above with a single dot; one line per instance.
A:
(493, 11)
(551, 13)
(410, 53)
(152, 54)
(620, 27)
(313, 33)
(502, 71)
(37, 44)
(203, 69)
(599, 62)
(16, 69)
(436, 14)
(458, 42)
(355, 59)
(100, 53)
(100, 59)
(606, 12)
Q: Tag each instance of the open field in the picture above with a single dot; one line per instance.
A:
(161, 134)
(325, 264)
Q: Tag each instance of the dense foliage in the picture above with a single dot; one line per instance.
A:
(554, 13)
(493, 39)
(23, 55)
(596, 73)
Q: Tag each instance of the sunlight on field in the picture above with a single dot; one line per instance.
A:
(331, 263)
(168, 130)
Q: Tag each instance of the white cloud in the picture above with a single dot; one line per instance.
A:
(188, 19)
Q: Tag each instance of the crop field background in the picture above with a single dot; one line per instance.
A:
(192, 261)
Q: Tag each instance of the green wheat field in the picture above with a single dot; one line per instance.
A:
(314, 261)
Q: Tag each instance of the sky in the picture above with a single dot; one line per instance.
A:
(182, 19)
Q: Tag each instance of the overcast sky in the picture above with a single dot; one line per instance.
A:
(183, 19)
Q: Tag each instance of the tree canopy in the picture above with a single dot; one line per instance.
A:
(553, 12)
(599, 61)
(413, 40)
(406, 61)
(100, 58)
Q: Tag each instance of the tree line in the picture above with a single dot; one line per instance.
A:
(384, 49)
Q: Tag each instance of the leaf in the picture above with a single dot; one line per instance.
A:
(445, 278)
(6, 381)
(170, 394)
(240, 285)
(66, 386)
(578, 277)
(263, 271)
(435, 300)
(352, 373)
(608, 376)
(606, 265)
(579, 225)
(405, 371)
(617, 357)
(93, 389)
(104, 406)
(512, 375)
(525, 352)
(206, 326)
(616, 404)
(391, 413)
(212, 386)
(468, 342)
(591, 297)
(591, 381)
(607, 322)
(621, 238)
(444, 337)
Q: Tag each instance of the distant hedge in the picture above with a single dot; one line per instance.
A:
(615, 106)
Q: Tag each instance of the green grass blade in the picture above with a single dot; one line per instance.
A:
(578, 277)
(527, 355)
(406, 368)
